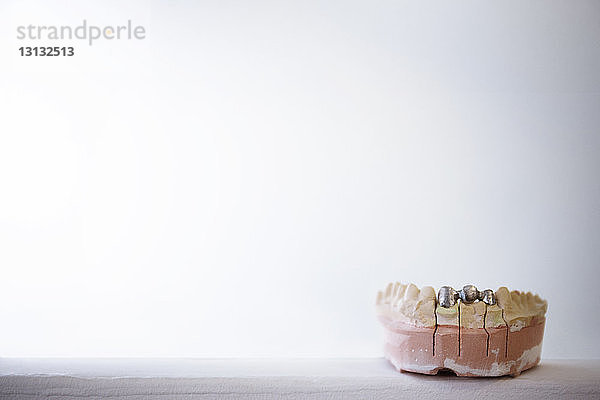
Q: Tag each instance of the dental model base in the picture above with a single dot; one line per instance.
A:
(469, 332)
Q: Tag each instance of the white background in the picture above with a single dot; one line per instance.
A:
(244, 180)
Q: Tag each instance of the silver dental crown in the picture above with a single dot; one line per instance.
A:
(447, 296)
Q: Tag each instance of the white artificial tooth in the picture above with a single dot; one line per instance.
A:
(412, 292)
(380, 298)
(427, 293)
(395, 290)
(399, 295)
(516, 299)
(503, 297)
(401, 291)
(388, 292)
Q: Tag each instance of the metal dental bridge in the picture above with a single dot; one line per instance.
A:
(448, 296)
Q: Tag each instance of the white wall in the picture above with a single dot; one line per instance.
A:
(244, 180)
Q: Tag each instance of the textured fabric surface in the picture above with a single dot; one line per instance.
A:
(276, 379)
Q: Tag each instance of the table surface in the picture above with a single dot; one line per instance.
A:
(278, 378)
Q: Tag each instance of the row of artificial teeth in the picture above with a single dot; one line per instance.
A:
(447, 296)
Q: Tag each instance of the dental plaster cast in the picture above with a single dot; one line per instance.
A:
(469, 332)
